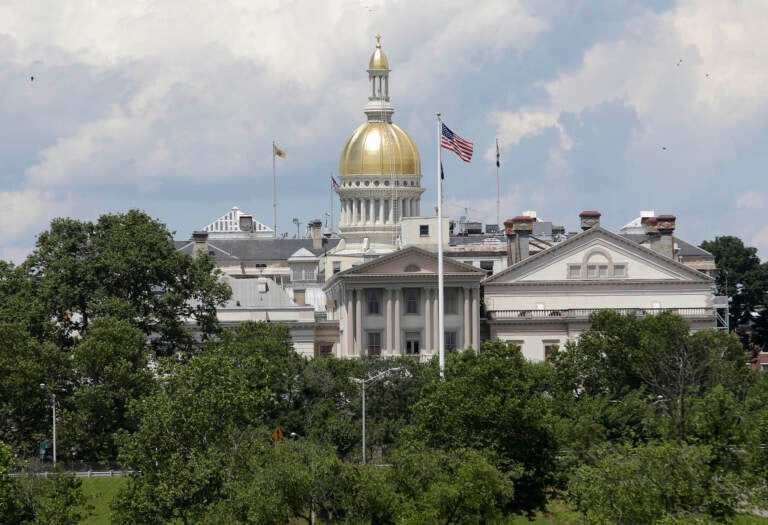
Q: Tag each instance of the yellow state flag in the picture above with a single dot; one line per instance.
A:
(278, 152)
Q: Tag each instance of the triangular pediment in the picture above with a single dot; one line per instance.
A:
(597, 255)
(302, 255)
(230, 223)
(412, 260)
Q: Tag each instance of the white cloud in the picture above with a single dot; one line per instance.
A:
(760, 241)
(695, 66)
(24, 213)
(751, 199)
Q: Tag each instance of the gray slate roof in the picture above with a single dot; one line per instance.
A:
(256, 249)
(685, 249)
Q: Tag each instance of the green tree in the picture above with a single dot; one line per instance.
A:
(742, 277)
(125, 266)
(55, 499)
(653, 483)
(110, 370)
(19, 304)
(452, 487)
(203, 411)
(493, 401)
(275, 483)
(25, 407)
(10, 513)
(654, 355)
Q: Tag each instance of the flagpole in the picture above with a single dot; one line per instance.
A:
(498, 186)
(440, 271)
(274, 189)
(331, 227)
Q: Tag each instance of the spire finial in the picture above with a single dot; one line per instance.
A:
(378, 40)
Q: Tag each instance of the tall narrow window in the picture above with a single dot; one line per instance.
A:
(451, 301)
(373, 298)
(374, 343)
(450, 341)
(411, 300)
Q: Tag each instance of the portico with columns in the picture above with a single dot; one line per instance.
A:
(389, 306)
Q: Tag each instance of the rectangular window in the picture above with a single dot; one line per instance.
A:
(412, 343)
(296, 274)
(373, 298)
(424, 230)
(487, 266)
(336, 266)
(574, 271)
(591, 271)
(309, 274)
(374, 343)
(549, 349)
(411, 300)
(602, 270)
(619, 270)
(325, 349)
(450, 341)
(451, 301)
(764, 367)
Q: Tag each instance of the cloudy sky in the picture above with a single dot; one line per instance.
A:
(171, 107)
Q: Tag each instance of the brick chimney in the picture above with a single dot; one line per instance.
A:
(518, 231)
(665, 224)
(651, 228)
(589, 219)
(315, 234)
(200, 239)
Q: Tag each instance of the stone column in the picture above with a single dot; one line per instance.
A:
(475, 319)
(467, 325)
(349, 325)
(427, 311)
(436, 322)
(381, 211)
(371, 211)
(358, 322)
(388, 303)
(398, 293)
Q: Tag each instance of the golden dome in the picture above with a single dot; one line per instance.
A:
(379, 148)
(378, 58)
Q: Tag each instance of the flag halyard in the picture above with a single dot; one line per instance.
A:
(451, 141)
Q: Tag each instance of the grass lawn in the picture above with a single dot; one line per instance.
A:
(558, 513)
(100, 493)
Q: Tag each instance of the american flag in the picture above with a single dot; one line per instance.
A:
(334, 184)
(463, 148)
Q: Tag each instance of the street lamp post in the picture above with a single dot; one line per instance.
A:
(53, 413)
(364, 382)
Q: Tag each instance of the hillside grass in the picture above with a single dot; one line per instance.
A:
(100, 493)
